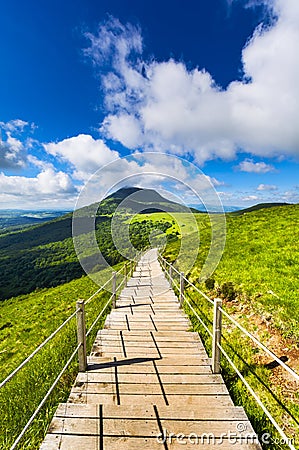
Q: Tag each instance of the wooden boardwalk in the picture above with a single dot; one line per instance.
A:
(148, 376)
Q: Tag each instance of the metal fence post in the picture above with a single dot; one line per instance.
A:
(170, 275)
(181, 288)
(126, 274)
(81, 335)
(114, 290)
(217, 326)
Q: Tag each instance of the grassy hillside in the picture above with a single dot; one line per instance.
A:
(257, 278)
(25, 322)
(43, 256)
(260, 262)
(259, 206)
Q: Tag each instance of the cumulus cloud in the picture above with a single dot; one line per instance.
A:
(87, 155)
(48, 186)
(254, 167)
(12, 153)
(142, 169)
(13, 148)
(83, 152)
(165, 106)
(267, 187)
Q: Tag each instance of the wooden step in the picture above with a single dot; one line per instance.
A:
(106, 426)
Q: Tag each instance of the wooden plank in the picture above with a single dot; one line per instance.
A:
(149, 368)
(155, 389)
(152, 444)
(127, 443)
(148, 378)
(149, 427)
(58, 442)
(164, 412)
(175, 401)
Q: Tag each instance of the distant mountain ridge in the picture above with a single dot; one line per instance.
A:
(260, 206)
(15, 219)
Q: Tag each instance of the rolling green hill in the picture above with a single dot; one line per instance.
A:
(260, 263)
(43, 256)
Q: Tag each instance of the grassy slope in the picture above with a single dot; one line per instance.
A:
(260, 256)
(25, 322)
(181, 222)
(261, 259)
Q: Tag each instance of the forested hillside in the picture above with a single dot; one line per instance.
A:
(44, 255)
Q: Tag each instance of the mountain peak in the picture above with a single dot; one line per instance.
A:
(145, 200)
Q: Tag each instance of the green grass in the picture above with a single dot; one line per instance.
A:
(243, 354)
(24, 323)
(181, 223)
(260, 259)
(259, 269)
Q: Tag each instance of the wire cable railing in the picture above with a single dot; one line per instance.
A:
(38, 409)
(98, 317)
(7, 379)
(217, 348)
(128, 268)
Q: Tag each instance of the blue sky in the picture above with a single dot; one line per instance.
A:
(85, 83)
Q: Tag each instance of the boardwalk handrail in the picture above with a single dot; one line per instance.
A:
(45, 398)
(218, 348)
(76, 350)
(9, 377)
(49, 338)
(236, 323)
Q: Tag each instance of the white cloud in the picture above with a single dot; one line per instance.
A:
(250, 198)
(13, 150)
(85, 154)
(46, 182)
(164, 106)
(15, 125)
(151, 170)
(123, 128)
(290, 196)
(12, 153)
(48, 186)
(254, 167)
(267, 187)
